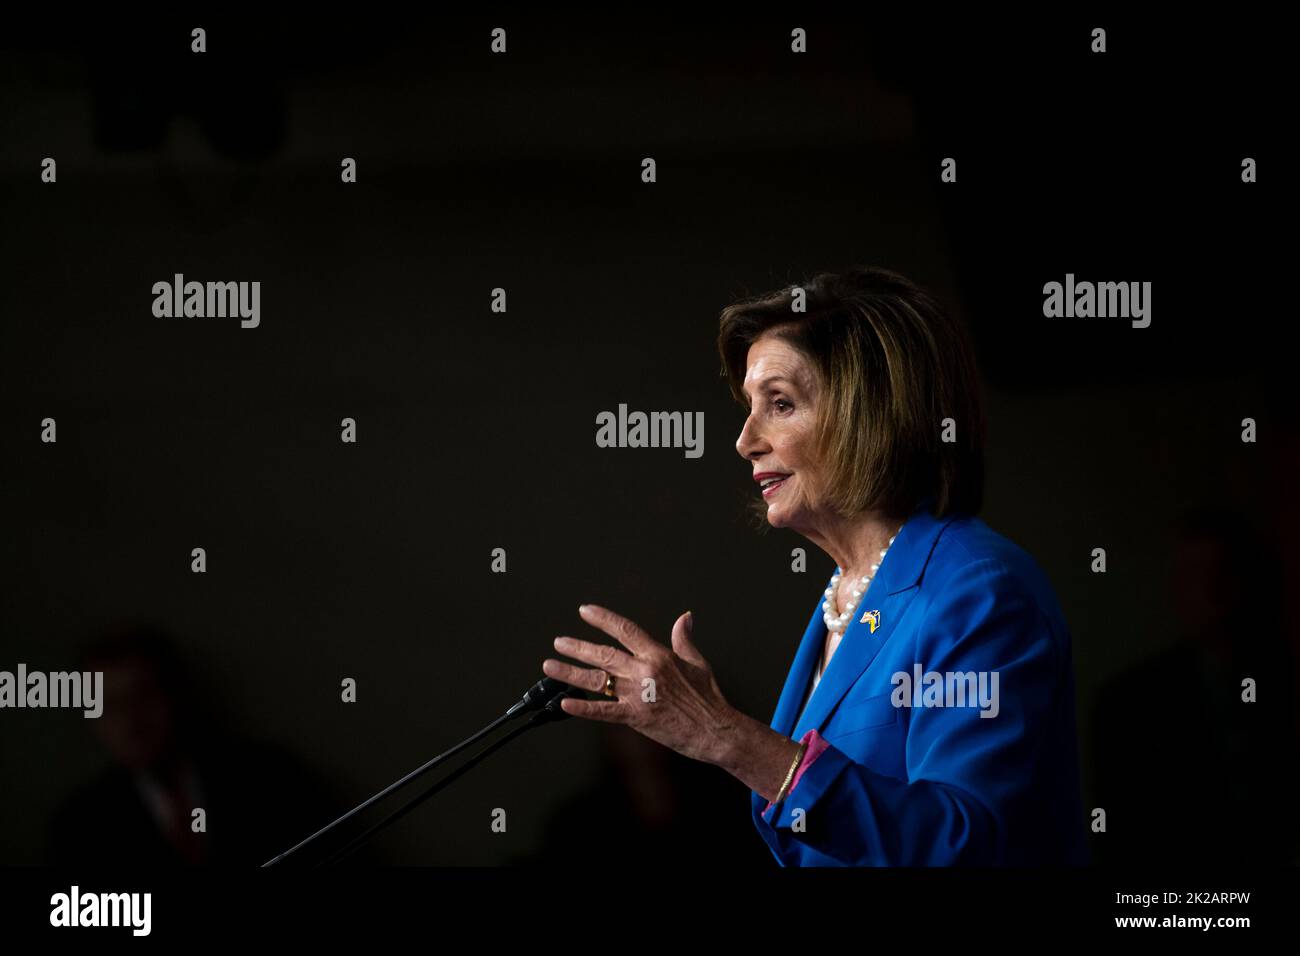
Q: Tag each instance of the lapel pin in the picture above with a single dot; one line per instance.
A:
(872, 618)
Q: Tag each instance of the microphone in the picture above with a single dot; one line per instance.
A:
(548, 713)
(543, 697)
(540, 695)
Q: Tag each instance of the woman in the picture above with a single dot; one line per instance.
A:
(928, 717)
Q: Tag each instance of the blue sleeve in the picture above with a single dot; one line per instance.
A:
(967, 776)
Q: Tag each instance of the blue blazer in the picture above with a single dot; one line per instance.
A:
(937, 784)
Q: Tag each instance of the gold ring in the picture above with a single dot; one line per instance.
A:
(609, 685)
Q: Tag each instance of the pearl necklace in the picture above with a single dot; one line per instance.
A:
(838, 622)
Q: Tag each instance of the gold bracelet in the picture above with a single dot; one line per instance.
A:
(781, 794)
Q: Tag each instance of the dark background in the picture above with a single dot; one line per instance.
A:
(476, 430)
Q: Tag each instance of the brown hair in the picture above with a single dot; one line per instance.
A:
(892, 364)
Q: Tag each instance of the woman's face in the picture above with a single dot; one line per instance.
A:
(778, 435)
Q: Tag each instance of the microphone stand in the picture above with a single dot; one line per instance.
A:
(540, 695)
(551, 712)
